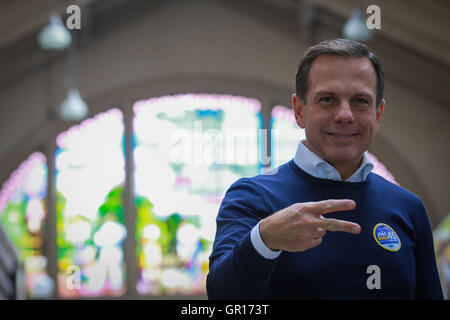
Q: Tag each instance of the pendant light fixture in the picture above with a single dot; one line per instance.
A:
(73, 108)
(54, 36)
(356, 28)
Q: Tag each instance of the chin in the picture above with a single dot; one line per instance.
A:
(343, 156)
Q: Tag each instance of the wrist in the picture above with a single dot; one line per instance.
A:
(266, 235)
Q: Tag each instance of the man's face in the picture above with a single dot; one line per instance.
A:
(340, 116)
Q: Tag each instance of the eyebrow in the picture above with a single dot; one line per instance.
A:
(322, 93)
(325, 92)
(365, 95)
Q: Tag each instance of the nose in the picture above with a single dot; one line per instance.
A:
(344, 114)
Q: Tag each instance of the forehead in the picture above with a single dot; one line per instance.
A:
(330, 72)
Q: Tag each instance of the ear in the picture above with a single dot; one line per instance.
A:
(298, 107)
(379, 112)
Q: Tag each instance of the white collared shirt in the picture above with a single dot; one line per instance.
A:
(314, 165)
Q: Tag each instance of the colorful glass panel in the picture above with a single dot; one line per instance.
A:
(188, 150)
(90, 178)
(441, 237)
(285, 135)
(23, 210)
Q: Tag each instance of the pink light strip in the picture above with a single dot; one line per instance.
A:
(284, 113)
(200, 101)
(16, 179)
(380, 169)
(85, 126)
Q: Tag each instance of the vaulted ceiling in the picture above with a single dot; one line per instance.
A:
(421, 26)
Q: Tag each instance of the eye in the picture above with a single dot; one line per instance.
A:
(362, 101)
(326, 100)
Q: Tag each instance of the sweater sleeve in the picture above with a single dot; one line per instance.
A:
(236, 269)
(428, 285)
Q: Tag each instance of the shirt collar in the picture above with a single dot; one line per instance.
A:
(314, 165)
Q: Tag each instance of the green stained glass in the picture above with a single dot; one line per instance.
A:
(90, 177)
(441, 237)
(23, 214)
(188, 150)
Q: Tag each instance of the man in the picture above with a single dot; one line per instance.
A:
(322, 226)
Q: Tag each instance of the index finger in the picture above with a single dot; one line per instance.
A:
(332, 205)
(340, 225)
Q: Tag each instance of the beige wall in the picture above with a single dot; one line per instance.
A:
(210, 47)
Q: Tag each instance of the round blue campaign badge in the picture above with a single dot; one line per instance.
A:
(386, 237)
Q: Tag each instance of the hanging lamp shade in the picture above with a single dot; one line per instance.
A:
(54, 36)
(356, 28)
(73, 108)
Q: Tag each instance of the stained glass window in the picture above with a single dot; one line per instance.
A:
(441, 237)
(22, 213)
(188, 150)
(90, 178)
(286, 134)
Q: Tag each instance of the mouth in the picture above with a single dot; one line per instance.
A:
(342, 135)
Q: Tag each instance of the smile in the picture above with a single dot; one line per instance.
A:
(343, 135)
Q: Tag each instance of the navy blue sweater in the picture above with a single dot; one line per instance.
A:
(337, 268)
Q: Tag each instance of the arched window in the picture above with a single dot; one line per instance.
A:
(188, 150)
(22, 213)
(286, 134)
(89, 180)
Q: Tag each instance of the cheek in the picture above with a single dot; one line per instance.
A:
(315, 122)
(371, 128)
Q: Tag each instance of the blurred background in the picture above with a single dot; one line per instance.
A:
(123, 123)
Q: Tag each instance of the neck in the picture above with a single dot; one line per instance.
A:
(345, 170)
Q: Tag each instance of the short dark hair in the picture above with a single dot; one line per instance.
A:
(339, 47)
